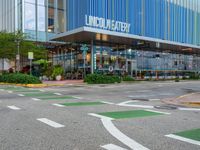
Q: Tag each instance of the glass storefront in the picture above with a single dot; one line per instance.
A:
(123, 60)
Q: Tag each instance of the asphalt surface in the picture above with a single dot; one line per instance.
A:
(20, 129)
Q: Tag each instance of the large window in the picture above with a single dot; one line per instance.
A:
(30, 19)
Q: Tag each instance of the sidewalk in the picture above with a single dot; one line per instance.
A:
(64, 82)
(188, 100)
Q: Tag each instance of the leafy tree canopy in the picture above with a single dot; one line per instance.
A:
(8, 46)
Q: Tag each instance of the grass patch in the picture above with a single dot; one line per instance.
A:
(129, 114)
(83, 104)
(191, 134)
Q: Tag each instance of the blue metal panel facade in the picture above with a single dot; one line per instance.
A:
(173, 20)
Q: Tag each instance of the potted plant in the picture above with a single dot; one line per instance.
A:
(57, 72)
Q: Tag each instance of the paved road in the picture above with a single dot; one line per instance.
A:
(56, 118)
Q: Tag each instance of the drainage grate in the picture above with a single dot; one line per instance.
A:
(168, 107)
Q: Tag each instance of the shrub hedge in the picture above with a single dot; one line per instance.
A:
(128, 78)
(101, 79)
(19, 78)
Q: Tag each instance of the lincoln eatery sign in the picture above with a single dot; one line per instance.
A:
(107, 24)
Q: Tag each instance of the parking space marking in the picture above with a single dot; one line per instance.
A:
(21, 95)
(183, 139)
(189, 109)
(166, 113)
(112, 147)
(50, 123)
(36, 99)
(59, 105)
(14, 107)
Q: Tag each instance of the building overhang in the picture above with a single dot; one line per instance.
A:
(87, 34)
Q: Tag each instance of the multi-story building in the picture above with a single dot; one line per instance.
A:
(120, 35)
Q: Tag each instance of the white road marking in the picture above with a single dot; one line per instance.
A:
(166, 113)
(14, 107)
(21, 95)
(59, 105)
(110, 103)
(2, 90)
(42, 90)
(120, 136)
(154, 99)
(100, 116)
(189, 109)
(183, 139)
(112, 147)
(10, 91)
(36, 99)
(77, 97)
(143, 91)
(50, 123)
(131, 105)
(58, 94)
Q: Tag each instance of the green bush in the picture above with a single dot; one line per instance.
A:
(101, 79)
(128, 78)
(19, 78)
(177, 79)
(57, 70)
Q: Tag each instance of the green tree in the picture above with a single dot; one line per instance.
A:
(10, 41)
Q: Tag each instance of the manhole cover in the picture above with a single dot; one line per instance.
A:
(140, 99)
(168, 107)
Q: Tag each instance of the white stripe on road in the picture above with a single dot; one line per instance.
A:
(100, 116)
(189, 109)
(57, 94)
(10, 91)
(14, 107)
(77, 97)
(42, 90)
(166, 113)
(131, 105)
(107, 122)
(110, 103)
(112, 147)
(154, 99)
(183, 139)
(20, 94)
(120, 136)
(36, 99)
(50, 123)
(59, 105)
(2, 90)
